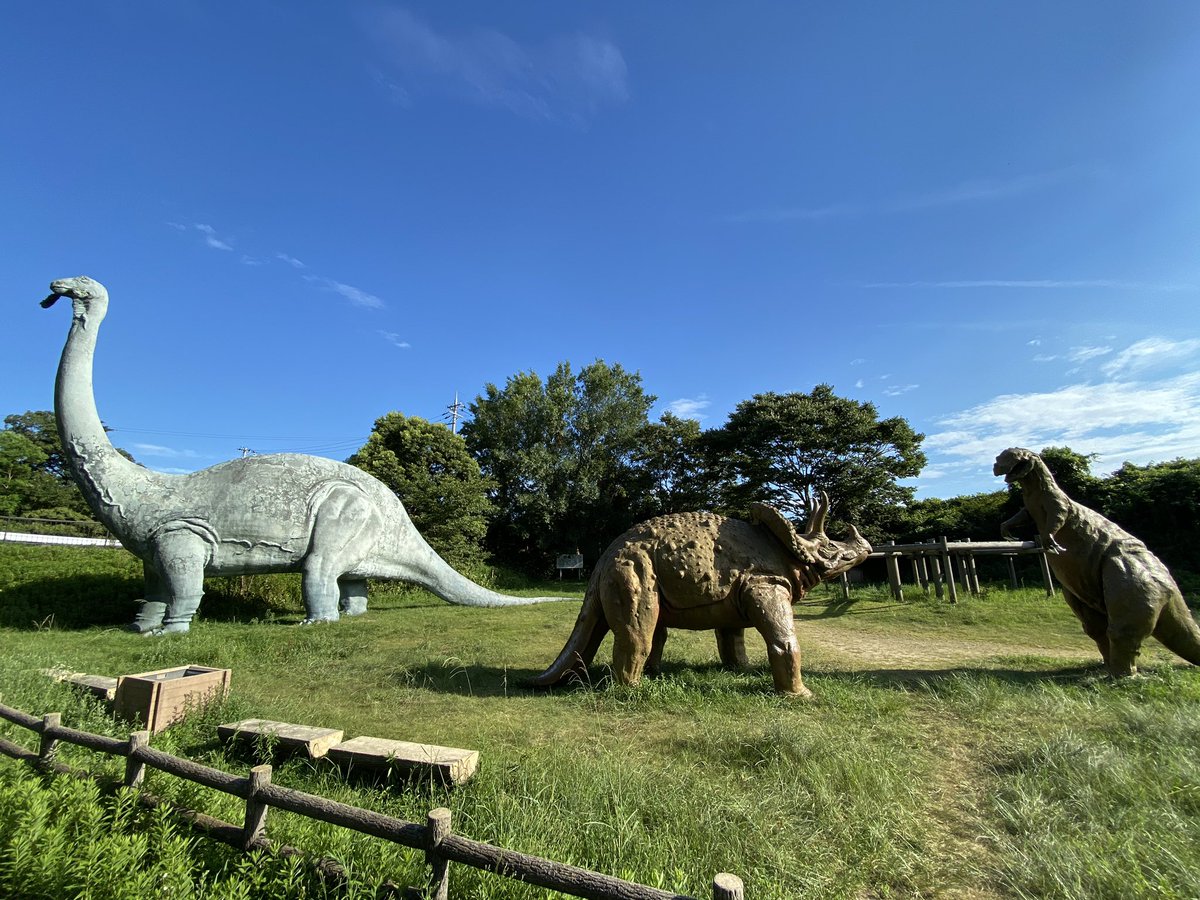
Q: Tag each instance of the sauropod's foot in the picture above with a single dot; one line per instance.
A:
(176, 628)
(320, 620)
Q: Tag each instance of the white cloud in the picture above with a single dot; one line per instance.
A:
(896, 390)
(1036, 342)
(395, 340)
(1044, 358)
(857, 362)
(690, 408)
(211, 238)
(568, 76)
(164, 452)
(357, 296)
(1149, 353)
(859, 383)
(1134, 421)
(1084, 354)
(291, 261)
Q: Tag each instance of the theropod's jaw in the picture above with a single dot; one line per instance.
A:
(1014, 464)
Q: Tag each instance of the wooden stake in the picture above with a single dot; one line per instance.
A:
(256, 811)
(438, 829)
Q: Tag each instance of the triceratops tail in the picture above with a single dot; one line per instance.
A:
(1178, 631)
(590, 629)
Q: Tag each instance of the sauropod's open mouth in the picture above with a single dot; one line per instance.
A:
(49, 301)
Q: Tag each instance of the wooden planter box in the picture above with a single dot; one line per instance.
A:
(158, 699)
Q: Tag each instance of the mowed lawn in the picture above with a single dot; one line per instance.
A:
(974, 750)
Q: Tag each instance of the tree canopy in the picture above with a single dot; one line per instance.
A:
(783, 448)
(561, 454)
(439, 482)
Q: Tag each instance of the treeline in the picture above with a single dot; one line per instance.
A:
(551, 466)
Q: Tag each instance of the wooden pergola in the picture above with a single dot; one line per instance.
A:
(945, 564)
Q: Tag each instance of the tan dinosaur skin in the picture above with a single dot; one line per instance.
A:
(1118, 589)
(699, 571)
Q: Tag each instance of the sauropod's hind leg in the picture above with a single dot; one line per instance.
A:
(340, 525)
(179, 558)
(353, 600)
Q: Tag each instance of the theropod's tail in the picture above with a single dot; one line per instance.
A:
(1177, 629)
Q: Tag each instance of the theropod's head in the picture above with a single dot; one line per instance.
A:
(1015, 464)
(87, 295)
(822, 557)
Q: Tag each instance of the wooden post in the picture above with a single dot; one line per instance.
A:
(924, 561)
(845, 579)
(948, 565)
(48, 745)
(437, 825)
(939, 579)
(1046, 574)
(135, 770)
(973, 572)
(893, 571)
(1012, 570)
(728, 887)
(256, 810)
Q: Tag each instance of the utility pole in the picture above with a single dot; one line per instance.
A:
(453, 412)
(246, 451)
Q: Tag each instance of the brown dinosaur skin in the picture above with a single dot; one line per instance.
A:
(698, 571)
(1117, 588)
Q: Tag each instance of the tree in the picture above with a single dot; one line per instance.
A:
(440, 484)
(561, 455)
(672, 460)
(1159, 503)
(784, 448)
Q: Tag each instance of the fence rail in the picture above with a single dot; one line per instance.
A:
(435, 837)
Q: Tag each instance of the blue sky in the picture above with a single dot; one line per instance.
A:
(982, 217)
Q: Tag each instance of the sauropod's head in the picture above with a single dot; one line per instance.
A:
(1014, 464)
(87, 296)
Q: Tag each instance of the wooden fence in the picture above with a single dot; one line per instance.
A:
(435, 837)
(934, 564)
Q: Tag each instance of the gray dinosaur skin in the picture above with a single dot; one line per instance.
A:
(1119, 590)
(286, 512)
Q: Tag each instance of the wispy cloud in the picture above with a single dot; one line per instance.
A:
(211, 238)
(1040, 283)
(291, 261)
(567, 76)
(357, 296)
(395, 340)
(973, 191)
(160, 451)
(690, 407)
(1150, 353)
(896, 390)
(1086, 354)
(1135, 421)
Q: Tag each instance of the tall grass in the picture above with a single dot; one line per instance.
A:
(1019, 772)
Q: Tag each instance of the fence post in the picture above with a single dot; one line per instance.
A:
(437, 826)
(48, 746)
(135, 769)
(948, 567)
(256, 810)
(728, 887)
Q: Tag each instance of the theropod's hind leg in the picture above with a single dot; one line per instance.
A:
(1132, 613)
(1094, 622)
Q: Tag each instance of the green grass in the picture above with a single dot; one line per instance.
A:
(1012, 769)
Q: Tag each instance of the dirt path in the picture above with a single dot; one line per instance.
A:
(856, 648)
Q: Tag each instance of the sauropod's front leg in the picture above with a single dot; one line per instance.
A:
(768, 604)
(179, 558)
(154, 604)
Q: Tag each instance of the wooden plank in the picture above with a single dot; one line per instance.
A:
(450, 765)
(310, 740)
(100, 686)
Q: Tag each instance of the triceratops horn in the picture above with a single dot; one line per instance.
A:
(816, 521)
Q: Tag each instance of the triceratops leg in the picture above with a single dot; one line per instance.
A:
(731, 647)
(629, 597)
(767, 600)
(654, 660)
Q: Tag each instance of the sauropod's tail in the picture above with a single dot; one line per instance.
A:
(1178, 631)
(421, 565)
(590, 629)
